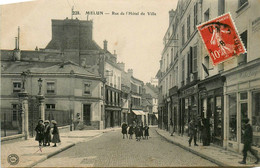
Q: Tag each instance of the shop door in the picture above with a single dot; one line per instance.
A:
(218, 133)
(86, 114)
(244, 114)
(112, 119)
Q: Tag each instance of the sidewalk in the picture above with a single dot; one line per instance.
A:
(30, 154)
(214, 154)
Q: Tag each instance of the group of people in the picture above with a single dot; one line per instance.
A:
(247, 136)
(140, 131)
(43, 133)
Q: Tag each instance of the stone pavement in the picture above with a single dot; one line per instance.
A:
(212, 153)
(30, 154)
(111, 150)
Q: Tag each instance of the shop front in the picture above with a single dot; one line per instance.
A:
(211, 101)
(173, 92)
(188, 105)
(112, 117)
(242, 99)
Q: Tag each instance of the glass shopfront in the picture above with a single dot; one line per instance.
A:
(256, 118)
(232, 136)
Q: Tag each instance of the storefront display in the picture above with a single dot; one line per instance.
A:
(232, 134)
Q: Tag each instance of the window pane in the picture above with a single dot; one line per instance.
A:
(243, 96)
(256, 118)
(50, 87)
(232, 117)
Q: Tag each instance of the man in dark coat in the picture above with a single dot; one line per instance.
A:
(193, 132)
(39, 132)
(248, 138)
(124, 130)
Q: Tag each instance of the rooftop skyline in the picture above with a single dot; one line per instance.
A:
(136, 39)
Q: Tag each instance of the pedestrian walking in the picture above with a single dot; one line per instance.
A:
(171, 127)
(55, 133)
(193, 132)
(131, 131)
(142, 131)
(124, 130)
(146, 131)
(39, 132)
(47, 133)
(138, 133)
(248, 139)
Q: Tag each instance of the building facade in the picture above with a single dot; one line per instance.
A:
(221, 95)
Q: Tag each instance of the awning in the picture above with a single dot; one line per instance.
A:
(156, 115)
(138, 112)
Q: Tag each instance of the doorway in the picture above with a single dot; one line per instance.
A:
(86, 114)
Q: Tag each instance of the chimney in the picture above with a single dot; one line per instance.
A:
(16, 42)
(121, 65)
(130, 72)
(171, 15)
(105, 45)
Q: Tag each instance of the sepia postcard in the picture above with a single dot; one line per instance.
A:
(130, 83)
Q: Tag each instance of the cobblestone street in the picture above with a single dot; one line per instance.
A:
(111, 150)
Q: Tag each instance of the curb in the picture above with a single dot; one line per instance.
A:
(195, 152)
(59, 151)
(52, 154)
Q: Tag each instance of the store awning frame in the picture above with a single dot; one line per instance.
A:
(138, 112)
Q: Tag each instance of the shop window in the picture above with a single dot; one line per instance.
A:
(256, 118)
(218, 118)
(232, 136)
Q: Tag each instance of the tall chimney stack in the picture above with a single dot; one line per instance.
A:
(105, 45)
(18, 38)
(16, 43)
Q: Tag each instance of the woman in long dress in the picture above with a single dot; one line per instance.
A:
(55, 133)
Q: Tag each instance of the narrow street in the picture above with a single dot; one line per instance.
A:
(111, 150)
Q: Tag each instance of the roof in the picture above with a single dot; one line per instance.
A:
(153, 91)
(48, 68)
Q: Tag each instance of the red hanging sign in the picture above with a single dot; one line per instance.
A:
(221, 38)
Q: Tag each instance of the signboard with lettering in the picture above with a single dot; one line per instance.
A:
(221, 38)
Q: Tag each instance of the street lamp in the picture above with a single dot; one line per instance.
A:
(23, 75)
(40, 86)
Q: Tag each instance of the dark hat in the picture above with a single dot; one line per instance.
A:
(245, 120)
(40, 120)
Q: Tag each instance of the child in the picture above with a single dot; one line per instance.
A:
(131, 131)
(55, 133)
(47, 133)
(39, 132)
(138, 133)
(146, 131)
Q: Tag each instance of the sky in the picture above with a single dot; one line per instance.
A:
(137, 39)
